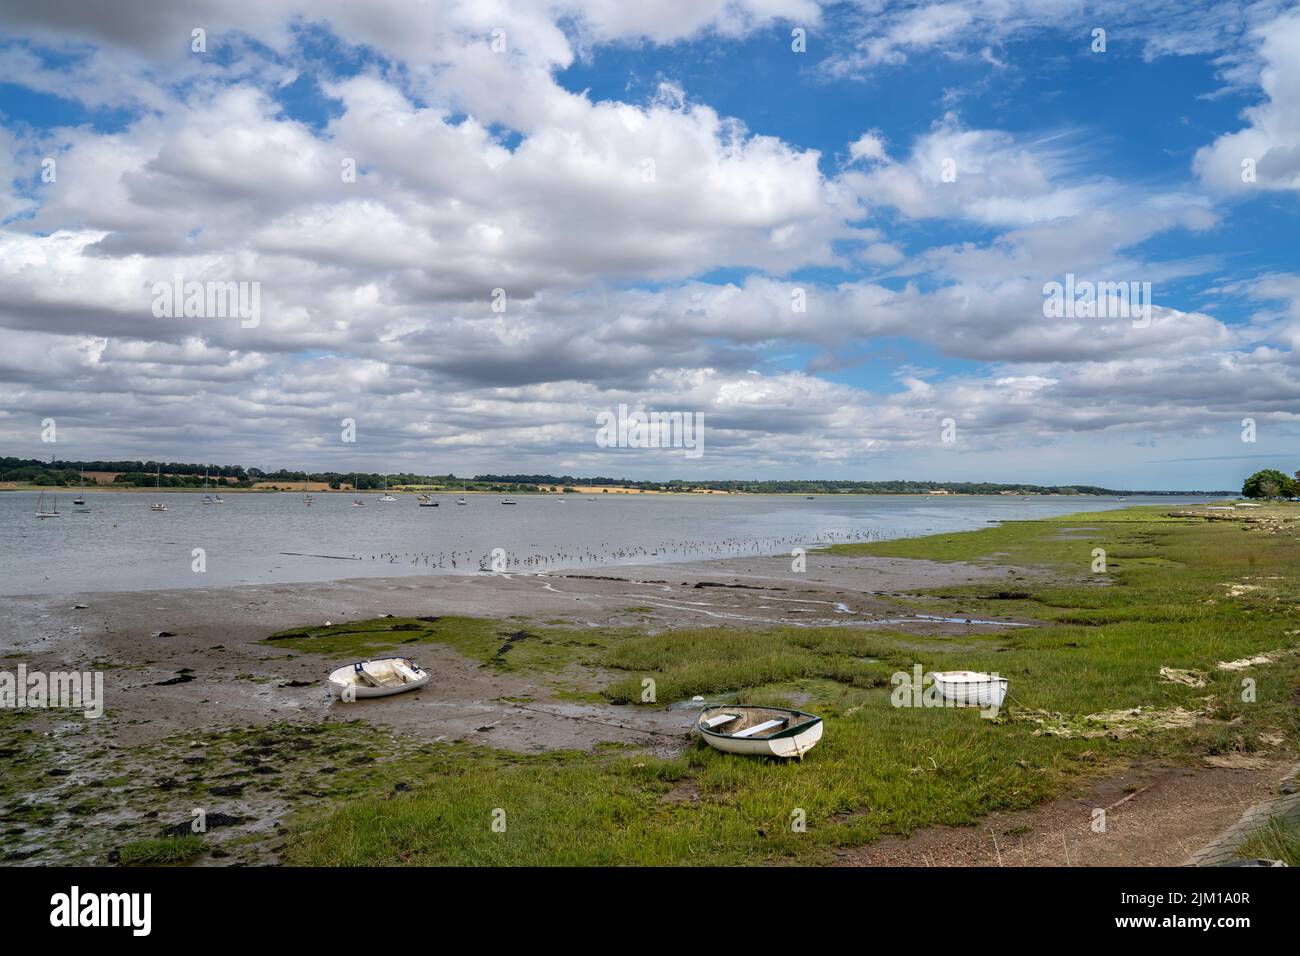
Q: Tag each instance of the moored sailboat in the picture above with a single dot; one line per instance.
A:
(44, 510)
(157, 484)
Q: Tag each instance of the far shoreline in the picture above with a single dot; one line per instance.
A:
(582, 492)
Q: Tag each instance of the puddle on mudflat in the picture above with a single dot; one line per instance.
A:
(699, 703)
(936, 619)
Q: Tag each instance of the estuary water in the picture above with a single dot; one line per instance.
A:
(118, 544)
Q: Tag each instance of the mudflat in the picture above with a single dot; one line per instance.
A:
(212, 637)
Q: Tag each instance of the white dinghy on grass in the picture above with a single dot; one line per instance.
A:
(971, 689)
(380, 677)
(762, 731)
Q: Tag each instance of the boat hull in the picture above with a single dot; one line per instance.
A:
(340, 680)
(971, 690)
(785, 747)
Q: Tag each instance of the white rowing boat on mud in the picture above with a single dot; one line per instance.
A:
(762, 731)
(971, 689)
(380, 677)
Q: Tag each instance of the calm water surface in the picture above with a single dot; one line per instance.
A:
(120, 545)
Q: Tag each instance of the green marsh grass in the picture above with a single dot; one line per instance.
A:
(1275, 841)
(162, 851)
(506, 645)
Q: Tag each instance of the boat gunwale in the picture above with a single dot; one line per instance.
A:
(967, 677)
(375, 660)
(792, 731)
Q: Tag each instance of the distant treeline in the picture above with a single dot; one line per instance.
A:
(174, 474)
(190, 475)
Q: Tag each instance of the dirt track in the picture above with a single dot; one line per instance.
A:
(1155, 816)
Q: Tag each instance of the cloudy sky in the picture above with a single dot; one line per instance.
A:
(826, 251)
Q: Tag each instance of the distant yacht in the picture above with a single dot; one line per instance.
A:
(208, 499)
(47, 511)
(461, 500)
(81, 495)
(507, 501)
(426, 501)
(386, 496)
(157, 481)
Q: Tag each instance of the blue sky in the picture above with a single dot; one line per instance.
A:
(776, 174)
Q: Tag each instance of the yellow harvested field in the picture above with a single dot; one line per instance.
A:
(297, 485)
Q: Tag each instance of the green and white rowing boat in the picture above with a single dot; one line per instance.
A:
(763, 731)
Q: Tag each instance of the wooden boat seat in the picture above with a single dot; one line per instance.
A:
(408, 676)
(759, 728)
(720, 719)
